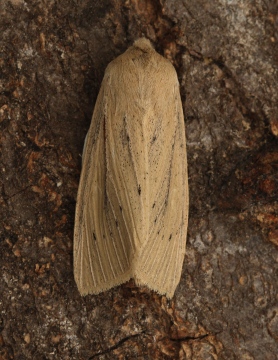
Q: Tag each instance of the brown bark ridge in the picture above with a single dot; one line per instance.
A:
(52, 59)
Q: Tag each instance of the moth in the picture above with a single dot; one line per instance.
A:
(132, 203)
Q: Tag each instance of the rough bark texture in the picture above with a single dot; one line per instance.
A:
(53, 56)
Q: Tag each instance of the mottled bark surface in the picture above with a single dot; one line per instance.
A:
(52, 59)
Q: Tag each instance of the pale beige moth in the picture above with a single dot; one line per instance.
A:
(132, 202)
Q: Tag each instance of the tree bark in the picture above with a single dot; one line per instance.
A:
(52, 59)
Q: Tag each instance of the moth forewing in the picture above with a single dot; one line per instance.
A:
(132, 203)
